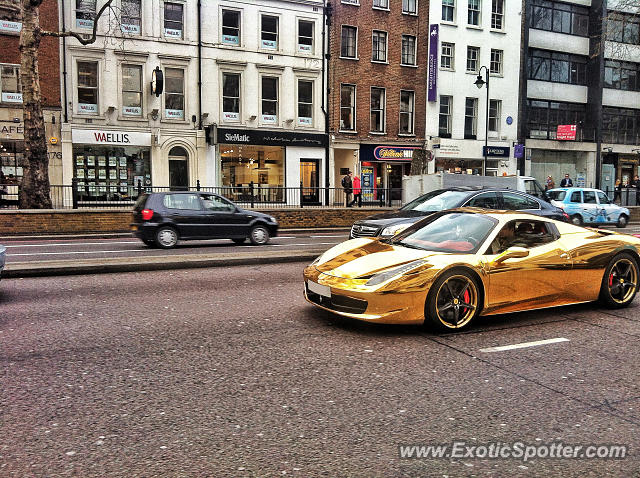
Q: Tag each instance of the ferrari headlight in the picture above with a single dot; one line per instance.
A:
(395, 229)
(396, 271)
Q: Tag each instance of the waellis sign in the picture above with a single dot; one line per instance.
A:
(119, 138)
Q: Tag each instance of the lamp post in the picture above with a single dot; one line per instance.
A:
(480, 83)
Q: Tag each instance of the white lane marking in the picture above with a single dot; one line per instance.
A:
(73, 252)
(76, 244)
(525, 345)
(341, 235)
(305, 244)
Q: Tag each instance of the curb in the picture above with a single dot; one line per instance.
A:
(18, 270)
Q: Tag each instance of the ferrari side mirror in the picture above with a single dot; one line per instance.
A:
(511, 253)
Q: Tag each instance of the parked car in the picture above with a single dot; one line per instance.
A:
(3, 254)
(390, 223)
(589, 206)
(162, 219)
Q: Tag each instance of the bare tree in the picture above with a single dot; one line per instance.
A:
(420, 161)
(35, 188)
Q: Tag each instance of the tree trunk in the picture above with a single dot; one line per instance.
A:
(419, 162)
(35, 188)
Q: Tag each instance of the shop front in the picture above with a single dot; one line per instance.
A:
(382, 168)
(273, 165)
(110, 165)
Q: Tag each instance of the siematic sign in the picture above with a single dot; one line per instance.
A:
(116, 138)
(270, 138)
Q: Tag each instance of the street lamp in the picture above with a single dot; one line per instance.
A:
(480, 83)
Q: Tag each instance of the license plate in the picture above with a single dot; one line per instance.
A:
(323, 290)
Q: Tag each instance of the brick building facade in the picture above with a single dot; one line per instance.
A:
(377, 77)
(11, 125)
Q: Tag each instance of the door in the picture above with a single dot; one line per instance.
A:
(484, 200)
(608, 178)
(542, 279)
(396, 171)
(516, 202)
(178, 170)
(591, 211)
(185, 211)
(222, 218)
(309, 181)
(611, 211)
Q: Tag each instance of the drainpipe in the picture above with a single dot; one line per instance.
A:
(64, 62)
(326, 90)
(199, 64)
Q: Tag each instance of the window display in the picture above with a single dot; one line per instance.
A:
(262, 165)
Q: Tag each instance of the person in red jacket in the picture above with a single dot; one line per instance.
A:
(357, 192)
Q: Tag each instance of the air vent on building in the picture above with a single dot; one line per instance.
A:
(270, 57)
(315, 9)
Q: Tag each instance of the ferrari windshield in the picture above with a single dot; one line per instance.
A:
(436, 201)
(456, 232)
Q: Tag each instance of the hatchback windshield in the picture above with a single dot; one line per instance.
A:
(455, 232)
(436, 201)
(557, 195)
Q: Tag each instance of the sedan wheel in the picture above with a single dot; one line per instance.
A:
(620, 282)
(166, 237)
(577, 220)
(453, 302)
(259, 235)
(622, 221)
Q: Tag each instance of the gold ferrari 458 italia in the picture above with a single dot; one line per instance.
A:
(452, 266)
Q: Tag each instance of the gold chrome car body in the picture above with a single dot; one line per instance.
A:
(568, 270)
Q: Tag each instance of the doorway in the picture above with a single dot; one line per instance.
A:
(309, 181)
(178, 169)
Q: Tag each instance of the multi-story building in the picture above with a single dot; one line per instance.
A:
(378, 90)
(473, 39)
(581, 112)
(141, 101)
(11, 124)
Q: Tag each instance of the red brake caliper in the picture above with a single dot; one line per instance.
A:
(466, 297)
(611, 279)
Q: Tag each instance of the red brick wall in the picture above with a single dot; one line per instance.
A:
(365, 74)
(48, 54)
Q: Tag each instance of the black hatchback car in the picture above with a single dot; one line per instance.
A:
(389, 224)
(162, 219)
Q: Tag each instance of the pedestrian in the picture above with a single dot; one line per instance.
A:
(636, 182)
(3, 187)
(347, 185)
(566, 182)
(617, 191)
(550, 183)
(357, 192)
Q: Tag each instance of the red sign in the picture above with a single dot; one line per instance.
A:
(566, 132)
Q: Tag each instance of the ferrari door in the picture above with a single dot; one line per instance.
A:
(542, 278)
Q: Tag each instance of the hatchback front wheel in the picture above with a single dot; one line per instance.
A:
(259, 235)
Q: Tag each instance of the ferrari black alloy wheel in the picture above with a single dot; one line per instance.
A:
(453, 302)
(620, 281)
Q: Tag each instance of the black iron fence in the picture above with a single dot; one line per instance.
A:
(624, 196)
(79, 196)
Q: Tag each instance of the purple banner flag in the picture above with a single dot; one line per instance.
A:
(433, 62)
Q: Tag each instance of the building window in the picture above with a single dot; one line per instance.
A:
(173, 17)
(497, 14)
(305, 36)
(471, 118)
(558, 67)
(407, 107)
(495, 67)
(230, 97)
(10, 18)
(410, 7)
(495, 112)
(408, 50)
(621, 126)
(10, 84)
(351, 2)
(379, 50)
(448, 10)
(85, 13)
(381, 4)
(447, 56)
(473, 17)
(174, 93)
(559, 17)
(88, 87)
(269, 32)
(348, 47)
(544, 117)
(131, 19)
(377, 110)
(473, 56)
(305, 103)
(622, 75)
(446, 107)
(269, 100)
(131, 90)
(623, 28)
(231, 27)
(347, 107)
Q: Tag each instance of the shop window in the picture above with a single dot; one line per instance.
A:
(261, 165)
(471, 118)
(446, 107)
(111, 173)
(305, 36)
(379, 50)
(408, 50)
(347, 107)
(448, 10)
(269, 32)
(348, 45)
(231, 27)
(473, 13)
(131, 90)
(174, 93)
(131, 19)
(230, 97)
(410, 7)
(88, 87)
(377, 110)
(173, 20)
(407, 107)
(447, 56)
(10, 18)
(10, 84)
(85, 13)
(12, 159)
(495, 66)
(305, 103)
(269, 100)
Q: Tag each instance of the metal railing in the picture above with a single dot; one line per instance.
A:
(256, 196)
(624, 196)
